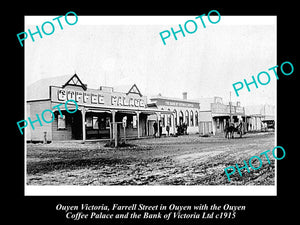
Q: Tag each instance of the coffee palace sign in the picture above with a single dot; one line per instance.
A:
(94, 97)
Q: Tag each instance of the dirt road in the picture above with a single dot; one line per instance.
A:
(183, 160)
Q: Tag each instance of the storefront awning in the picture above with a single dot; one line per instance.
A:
(107, 109)
(220, 115)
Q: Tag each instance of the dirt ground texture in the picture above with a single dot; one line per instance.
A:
(183, 160)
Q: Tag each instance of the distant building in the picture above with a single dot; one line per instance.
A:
(260, 117)
(184, 111)
(214, 114)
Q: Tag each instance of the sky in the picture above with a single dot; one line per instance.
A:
(114, 51)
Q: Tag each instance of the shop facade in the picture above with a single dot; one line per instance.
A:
(260, 117)
(100, 115)
(183, 112)
(215, 114)
(254, 122)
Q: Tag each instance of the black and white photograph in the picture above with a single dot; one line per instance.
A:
(152, 111)
(173, 117)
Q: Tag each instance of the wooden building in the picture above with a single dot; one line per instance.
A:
(100, 111)
(214, 114)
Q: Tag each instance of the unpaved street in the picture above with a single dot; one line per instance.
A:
(183, 160)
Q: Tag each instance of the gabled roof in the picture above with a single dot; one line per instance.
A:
(75, 81)
(40, 89)
(126, 88)
(134, 90)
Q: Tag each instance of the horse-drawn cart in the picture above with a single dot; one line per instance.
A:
(230, 128)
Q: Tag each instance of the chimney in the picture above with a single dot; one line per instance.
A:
(184, 95)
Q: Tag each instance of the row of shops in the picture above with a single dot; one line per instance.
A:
(214, 114)
(105, 113)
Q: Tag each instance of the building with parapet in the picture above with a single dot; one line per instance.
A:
(183, 112)
(260, 117)
(214, 114)
(100, 111)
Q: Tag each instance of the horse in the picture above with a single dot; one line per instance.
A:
(230, 129)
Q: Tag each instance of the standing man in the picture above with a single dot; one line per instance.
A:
(155, 128)
(226, 129)
(168, 129)
(184, 128)
(160, 128)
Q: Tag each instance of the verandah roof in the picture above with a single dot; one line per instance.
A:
(102, 109)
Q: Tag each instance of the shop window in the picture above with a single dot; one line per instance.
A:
(134, 121)
(180, 118)
(192, 118)
(187, 118)
(89, 121)
(102, 123)
(196, 118)
(107, 122)
(61, 122)
(175, 117)
(129, 123)
(95, 122)
(169, 122)
(163, 121)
